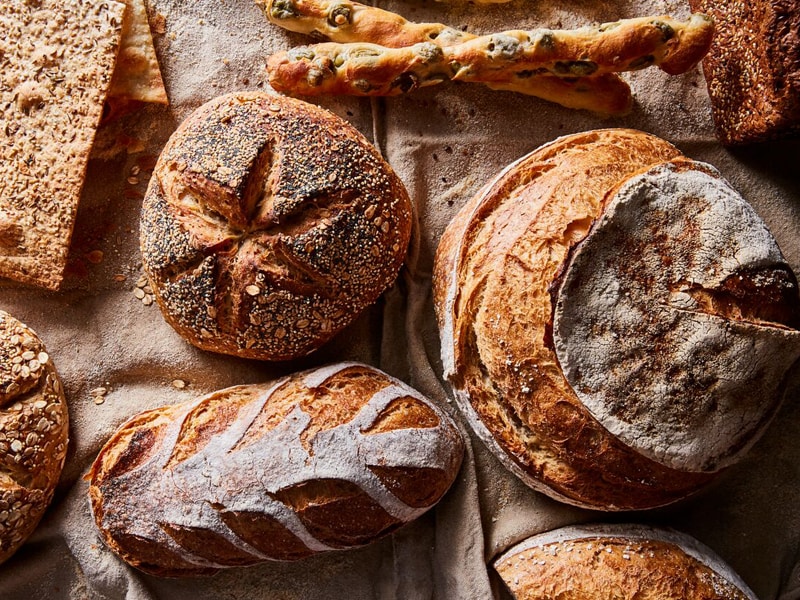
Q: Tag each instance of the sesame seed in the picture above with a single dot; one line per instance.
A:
(253, 290)
(43, 357)
(139, 293)
(28, 355)
(178, 384)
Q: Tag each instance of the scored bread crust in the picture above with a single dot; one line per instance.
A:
(372, 70)
(496, 267)
(619, 562)
(326, 459)
(752, 69)
(682, 352)
(269, 224)
(34, 425)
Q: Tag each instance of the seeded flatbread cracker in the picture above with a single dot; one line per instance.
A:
(137, 76)
(51, 100)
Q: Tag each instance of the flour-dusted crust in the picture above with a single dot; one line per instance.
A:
(269, 224)
(34, 425)
(497, 267)
(620, 562)
(51, 101)
(668, 321)
(326, 459)
(753, 69)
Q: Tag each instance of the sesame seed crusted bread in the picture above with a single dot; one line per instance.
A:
(322, 460)
(617, 562)
(51, 101)
(34, 426)
(753, 69)
(616, 322)
(365, 69)
(269, 224)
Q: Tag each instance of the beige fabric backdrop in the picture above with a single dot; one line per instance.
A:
(444, 142)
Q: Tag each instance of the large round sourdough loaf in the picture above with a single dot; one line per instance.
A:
(269, 224)
(616, 322)
(326, 459)
(34, 425)
(617, 562)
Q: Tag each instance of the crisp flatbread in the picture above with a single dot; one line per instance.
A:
(137, 75)
(57, 57)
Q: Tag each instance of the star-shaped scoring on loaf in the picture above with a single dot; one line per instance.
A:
(260, 240)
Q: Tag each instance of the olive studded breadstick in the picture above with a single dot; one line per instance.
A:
(348, 22)
(341, 21)
(374, 70)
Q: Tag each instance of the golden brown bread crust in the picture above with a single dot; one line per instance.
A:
(534, 415)
(373, 70)
(753, 69)
(346, 22)
(617, 562)
(34, 425)
(496, 267)
(269, 224)
(325, 459)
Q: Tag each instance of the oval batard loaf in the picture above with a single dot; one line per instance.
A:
(616, 321)
(617, 562)
(34, 425)
(322, 460)
(269, 224)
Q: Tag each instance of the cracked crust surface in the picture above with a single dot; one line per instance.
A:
(268, 225)
(496, 278)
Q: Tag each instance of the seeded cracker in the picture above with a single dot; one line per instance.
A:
(56, 60)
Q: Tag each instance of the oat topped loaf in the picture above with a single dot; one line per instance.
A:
(617, 562)
(57, 58)
(34, 425)
(269, 224)
(616, 321)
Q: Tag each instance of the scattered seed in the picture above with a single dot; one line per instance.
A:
(252, 290)
(139, 293)
(147, 300)
(179, 384)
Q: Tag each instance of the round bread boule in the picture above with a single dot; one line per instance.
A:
(617, 323)
(617, 562)
(34, 425)
(269, 224)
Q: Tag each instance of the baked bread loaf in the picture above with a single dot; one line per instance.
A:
(753, 69)
(34, 425)
(326, 459)
(268, 225)
(617, 562)
(58, 57)
(371, 70)
(616, 322)
(349, 22)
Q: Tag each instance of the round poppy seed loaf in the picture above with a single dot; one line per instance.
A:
(269, 224)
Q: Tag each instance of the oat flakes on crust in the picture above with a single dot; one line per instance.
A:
(57, 59)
